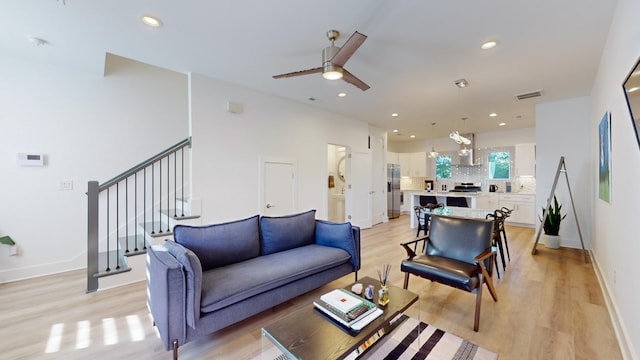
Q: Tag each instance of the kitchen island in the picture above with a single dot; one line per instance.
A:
(441, 197)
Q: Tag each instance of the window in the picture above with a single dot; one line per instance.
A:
(443, 167)
(499, 165)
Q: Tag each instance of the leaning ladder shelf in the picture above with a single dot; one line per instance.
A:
(561, 169)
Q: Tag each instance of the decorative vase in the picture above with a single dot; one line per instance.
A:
(552, 241)
(383, 295)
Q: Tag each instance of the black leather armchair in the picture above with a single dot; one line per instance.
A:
(457, 253)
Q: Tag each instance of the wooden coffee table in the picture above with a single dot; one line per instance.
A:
(307, 334)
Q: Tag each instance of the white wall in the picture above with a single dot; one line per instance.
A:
(563, 129)
(615, 225)
(90, 127)
(227, 147)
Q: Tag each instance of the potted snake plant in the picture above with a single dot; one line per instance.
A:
(551, 225)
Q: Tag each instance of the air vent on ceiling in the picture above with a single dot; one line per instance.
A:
(529, 95)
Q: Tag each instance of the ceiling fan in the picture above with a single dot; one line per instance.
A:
(333, 60)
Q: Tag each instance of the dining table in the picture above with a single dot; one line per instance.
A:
(462, 212)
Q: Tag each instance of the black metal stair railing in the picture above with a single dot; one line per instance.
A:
(106, 256)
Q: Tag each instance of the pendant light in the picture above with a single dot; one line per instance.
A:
(464, 151)
(433, 153)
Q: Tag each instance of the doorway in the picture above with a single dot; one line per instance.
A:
(337, 184)
(278, 187)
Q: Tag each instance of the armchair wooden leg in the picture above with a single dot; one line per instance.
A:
(406, 281)
(489, 281)
(476, 320)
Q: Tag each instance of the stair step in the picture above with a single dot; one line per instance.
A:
(179, 216)
(154, 230)
(136, 242)
(113, 264)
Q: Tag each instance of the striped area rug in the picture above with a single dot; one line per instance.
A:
(431, 343)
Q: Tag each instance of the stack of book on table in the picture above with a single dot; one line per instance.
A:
(348, 309)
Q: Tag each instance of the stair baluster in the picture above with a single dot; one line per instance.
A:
(99, 262)
(168, 192)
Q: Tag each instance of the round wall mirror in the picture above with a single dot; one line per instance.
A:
(341, 167)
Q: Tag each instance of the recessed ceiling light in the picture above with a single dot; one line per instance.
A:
(461, 83)
(493, 114)
(502, 124)
(342, 94)
(412, 136)
(395, 115)
(488, 45)
(151, 21)
(395, 130)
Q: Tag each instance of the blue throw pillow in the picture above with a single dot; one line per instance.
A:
(287, 232)
(221, 244)
(339, 235)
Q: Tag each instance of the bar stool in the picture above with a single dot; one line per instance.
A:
(506, 213)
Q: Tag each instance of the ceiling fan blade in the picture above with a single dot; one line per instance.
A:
(298, 73)
(353, 80)
(350, 47)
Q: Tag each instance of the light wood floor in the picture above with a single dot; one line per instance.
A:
(550, 307)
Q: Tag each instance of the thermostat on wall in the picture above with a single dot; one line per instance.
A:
(30, 159)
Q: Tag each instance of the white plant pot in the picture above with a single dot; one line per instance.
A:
(552, 241)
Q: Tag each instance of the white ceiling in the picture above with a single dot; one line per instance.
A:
(415, 51)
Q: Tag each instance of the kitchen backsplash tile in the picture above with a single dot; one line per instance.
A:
(474, 174)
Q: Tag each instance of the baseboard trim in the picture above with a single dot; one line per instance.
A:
(618, 325)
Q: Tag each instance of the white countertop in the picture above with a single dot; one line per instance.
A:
(465, 194)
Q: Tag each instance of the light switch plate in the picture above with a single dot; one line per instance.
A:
(65, 185)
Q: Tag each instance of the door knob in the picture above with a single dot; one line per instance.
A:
(269, 206)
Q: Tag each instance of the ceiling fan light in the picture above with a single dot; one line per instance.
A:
(332, 72)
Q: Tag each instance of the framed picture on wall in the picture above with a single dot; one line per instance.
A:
(631, 87)
(604, 158)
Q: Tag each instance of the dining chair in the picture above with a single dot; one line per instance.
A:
(423, 212)
(457, 201)
(498, 220)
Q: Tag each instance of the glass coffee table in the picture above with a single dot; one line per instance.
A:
(307, 334)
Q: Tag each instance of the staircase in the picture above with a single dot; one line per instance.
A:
(133, 211)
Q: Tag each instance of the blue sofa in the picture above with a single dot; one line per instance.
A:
(213, 276)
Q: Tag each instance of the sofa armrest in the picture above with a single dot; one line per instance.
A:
(166, 300)
(342, 236)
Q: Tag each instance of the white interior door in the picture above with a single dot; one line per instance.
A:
(278, 188)
(359, 188)
(378, 181)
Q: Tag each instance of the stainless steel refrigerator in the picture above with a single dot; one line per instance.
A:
(393, 191)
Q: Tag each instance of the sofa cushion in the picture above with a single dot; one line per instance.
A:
(233, 283)
(221, 244)
(193, 272)
(338, 235)
(286, 232)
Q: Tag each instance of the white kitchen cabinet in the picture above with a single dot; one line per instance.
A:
(418, 164)
(392, 158)
(522, 206)
(488, 201)
(525, 160)
(405, 164)
(413, 164)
